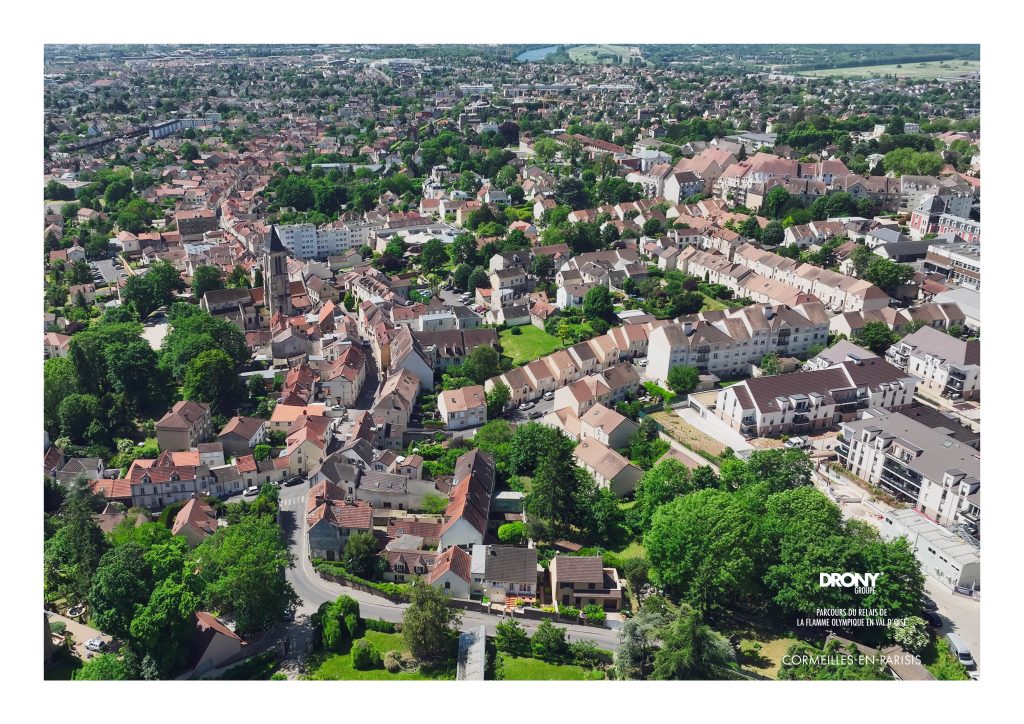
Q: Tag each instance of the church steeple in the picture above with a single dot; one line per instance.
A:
(275, 276)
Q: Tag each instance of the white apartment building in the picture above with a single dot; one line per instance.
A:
(809, 402)
(947, 366)
(726, 342)
(306, 241)
(927, 467)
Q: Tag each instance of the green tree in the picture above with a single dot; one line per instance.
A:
(597, 304)
(553, 501)
(211, 377)
(512, 533)
(206, 279)
(683, 379)
(104, 667)
(479, 279)
(72, 554)
(59, 382)
(434, 255)
(661, 484)
(241, 571)
(638, 644)
(56, 191)
(910, 633)
(775, 202)
(804, 662)
(430, 624)
(161, 629)
(548, 643)
(482, 364)
(511, 638)
(692, 650)
(770, 363)
(360, 556)
(497, 399)
(460, 276)
(876, 336)
(122, 581)
(76, 412)
(773, 234)
(705, 546)
(886, 274)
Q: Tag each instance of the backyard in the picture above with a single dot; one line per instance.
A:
(761, 647)
(337, 666)
(524, 669)
(530, 344)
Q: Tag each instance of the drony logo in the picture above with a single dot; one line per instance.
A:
(859, 582)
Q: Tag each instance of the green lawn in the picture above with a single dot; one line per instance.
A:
(633, 550)
(517, 669)
(338, 666)
(532, 343)
(710, 303)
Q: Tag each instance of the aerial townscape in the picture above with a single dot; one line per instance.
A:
(511, 362)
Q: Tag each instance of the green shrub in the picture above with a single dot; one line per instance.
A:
(392, 662)
(594, 613)
(279, 676)
(512, 533)
(365, 656)
(376, 624)
(586, 654)
(569, 611)
(352, 625)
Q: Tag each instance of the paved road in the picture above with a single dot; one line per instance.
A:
(314, 590)
(959, 614)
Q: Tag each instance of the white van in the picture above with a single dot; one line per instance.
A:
(798, 442)
(959, 648)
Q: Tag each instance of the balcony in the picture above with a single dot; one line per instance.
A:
(959, 375)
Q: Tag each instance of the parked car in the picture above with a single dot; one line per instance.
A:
(535, 414)
(337, 408)
(251, 492)
(293, 480)
(960, 650)
(643, 362)
(932, 618)
(798, 442)
(549, 396)
(527, 406)
(96, 644)
(928, 604)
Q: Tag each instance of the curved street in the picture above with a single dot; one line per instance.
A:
(313, 590)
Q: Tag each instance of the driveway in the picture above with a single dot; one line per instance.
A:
(80, 634)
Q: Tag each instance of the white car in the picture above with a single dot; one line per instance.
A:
(95, 644)
(643, 362)
(798, 442)
(251, 492)
(549, 396)
(527, 406)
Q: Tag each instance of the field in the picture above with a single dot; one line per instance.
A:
(533, 343)
(916, 71)
(519, 669)
(598, 53)
(338, 666)
(683, 432)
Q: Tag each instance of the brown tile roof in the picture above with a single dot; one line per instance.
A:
(579, 569)
(455, 560)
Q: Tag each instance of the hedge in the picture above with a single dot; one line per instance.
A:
(399, 590)
(376, 624)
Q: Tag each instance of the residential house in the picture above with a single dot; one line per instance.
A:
(186, 425)
(462, 408)
(610, 469)
(196, 522)
(241, 435)
(502, 572)
(581, 581)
